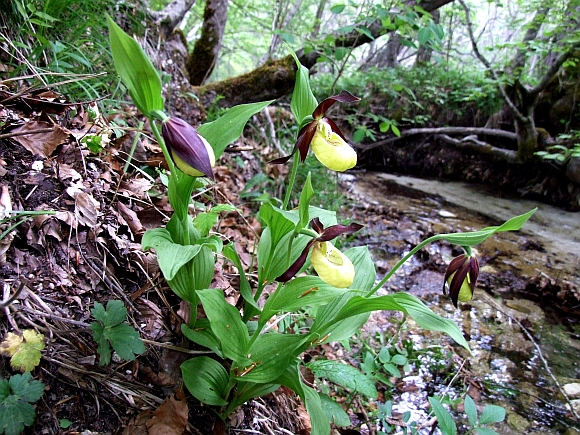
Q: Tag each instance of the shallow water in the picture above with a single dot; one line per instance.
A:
(510, 367)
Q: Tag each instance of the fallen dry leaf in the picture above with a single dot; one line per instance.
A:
(131, 218)
(86, 209)
(40, 144)
(170, 418)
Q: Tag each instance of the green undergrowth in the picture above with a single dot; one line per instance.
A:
(432, 95)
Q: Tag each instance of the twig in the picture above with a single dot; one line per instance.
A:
(24, 133)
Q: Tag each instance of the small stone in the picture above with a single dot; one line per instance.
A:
(517, 422)
(446, 214)
(572, 390)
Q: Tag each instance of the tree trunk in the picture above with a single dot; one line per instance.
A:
(170, 17)
(527, 138)
(201, 62)
(318, 19)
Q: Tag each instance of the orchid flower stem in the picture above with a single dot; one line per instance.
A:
(291, 181)
(403, 261)
(161, 143)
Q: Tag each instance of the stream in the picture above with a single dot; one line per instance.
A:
(525, 345)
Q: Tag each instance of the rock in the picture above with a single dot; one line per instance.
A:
(572, 390)
(517, 422)
(573, 170)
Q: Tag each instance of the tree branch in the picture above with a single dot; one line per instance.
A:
(170, 17)
(554, 68)
(442, 130)
(484, 61)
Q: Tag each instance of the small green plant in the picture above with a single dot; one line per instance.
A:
(17, 396)
(491, 414)
(560, 153)
(111, 329)
(23, 349)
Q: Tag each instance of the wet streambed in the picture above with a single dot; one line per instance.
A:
(521, 325)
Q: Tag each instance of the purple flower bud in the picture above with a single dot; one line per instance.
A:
(461, 277)
(190, 152)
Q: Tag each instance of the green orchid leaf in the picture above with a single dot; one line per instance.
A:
(269, 356)
(350, 305)
(226, 324)
(207, 380)
(246, 391)
(303, 101)
(183, 283)
(292, 379)
(444, 418)
(135, 69)
(245, 287)
(228, 127)
(171, 256)
(301, 292)
(213, 242)
(365, 276)
(281, 260)
(345, 375)
(203, 336)
(179, 190)
(476, 237)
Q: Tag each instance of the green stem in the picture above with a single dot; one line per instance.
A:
(161, 143)
(291, 181)
(402, 261)
(133, 147)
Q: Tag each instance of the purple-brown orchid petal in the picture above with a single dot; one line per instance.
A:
(461, 278)
(297, 265)
(303, 144)
(334, 231)
(317, 225)
(343, 97)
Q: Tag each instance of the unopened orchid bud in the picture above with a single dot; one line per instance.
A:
(191, 153)
(461, 278)
(331, 149)
(331, 265)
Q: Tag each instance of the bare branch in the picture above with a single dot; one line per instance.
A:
(554, 68)
(484, 61)
(170, 17)
(442, 130)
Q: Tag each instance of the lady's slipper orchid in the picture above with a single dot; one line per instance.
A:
(461, 277)
(331, 265)
(328, 143)
(190, 152)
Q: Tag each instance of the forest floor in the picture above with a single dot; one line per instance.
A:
(89, 251)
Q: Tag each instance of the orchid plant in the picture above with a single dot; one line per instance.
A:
(251, 357)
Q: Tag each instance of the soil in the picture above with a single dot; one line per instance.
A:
(89, 251)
